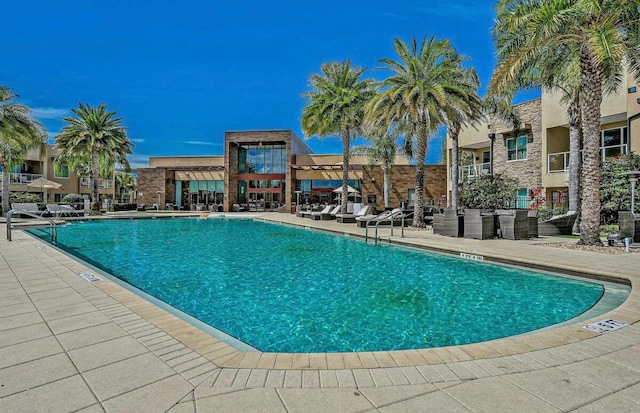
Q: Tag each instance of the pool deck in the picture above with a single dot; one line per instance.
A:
(67, 344)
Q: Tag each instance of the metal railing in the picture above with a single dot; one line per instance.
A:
(471, 171)
(20, 178)
(52, 223)
(384, 217)
(102, 183)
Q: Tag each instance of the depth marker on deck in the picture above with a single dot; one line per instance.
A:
(605, 326)
(89, 276)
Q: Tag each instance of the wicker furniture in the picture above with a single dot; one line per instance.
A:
(629, 225)
(477, 226)
(533, 223)
(558, 225)
(438, 223)
(514, 224)
(453, 225)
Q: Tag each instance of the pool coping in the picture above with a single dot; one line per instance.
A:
(229, 357)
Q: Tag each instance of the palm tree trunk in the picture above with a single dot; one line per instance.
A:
(421, 153)
(454, 167)
(345, 135)
(5, 187)
(95, 172)
(574, 155)
(386, 171)
(592, 76)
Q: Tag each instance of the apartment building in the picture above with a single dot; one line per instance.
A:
(37, 166)
(538, 155)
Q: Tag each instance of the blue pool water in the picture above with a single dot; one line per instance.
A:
(285, 289)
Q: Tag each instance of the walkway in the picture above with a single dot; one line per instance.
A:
(67, 344)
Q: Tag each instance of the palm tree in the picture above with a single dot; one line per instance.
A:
(424, 80)
(464, 108)
(93, 137)
(335, 106)
(19, 132)
(383, 151)
(604, 33)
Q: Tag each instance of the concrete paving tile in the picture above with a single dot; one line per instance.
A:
(397, 377)
(275, 378)
(310, 379)
(245, 401)
(613, 403)
(35, 373)
(14, 299)
(185, 355)
(67, 311)
(382, 396)
(226, 378)
(64, 325)
(22, 334)
(632, 393)
(16, 309)
(323, 400)
(293, 379)
(64, 395)
(413, 375)
(184, 407)
(603, 373)
(46, 295)
(154, 397)
(345, 378)
(241, 378)
(430, 374)
(106, 352)
(12, 292)
(31, 350)
(380, 377)
(96, 408)
(628, 357)
(257, 378)
(44, 286)
(328, 379)
(363, 378)
(191, 364)
(460, 370)
(434, 402)
(557, 387)
(121, 377)
(200, 370)
(90, 335)
(445, 372)
(60, 301)
(493, 394)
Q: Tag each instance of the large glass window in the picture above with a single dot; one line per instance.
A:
(262, 159)
(517, 148)
(61, 171)
(613, 142)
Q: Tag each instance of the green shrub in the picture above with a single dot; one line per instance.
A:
(23, 197)
(72, 198)
(489, 192)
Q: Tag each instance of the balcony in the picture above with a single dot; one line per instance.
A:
(558, 162)
(20, 178)
(102, 183)
(471, 171)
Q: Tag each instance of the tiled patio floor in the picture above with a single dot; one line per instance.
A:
(70, 345)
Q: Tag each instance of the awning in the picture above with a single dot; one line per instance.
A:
(199, 175)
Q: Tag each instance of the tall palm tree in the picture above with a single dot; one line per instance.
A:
(424, 80)
(335, 106)
(19, 132)
(604, 33)
(383, 149)
(465, 108)
(93, 136)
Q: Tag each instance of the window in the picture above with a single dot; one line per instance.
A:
(517, 148)
(61, 171)
(613, 142)
(411, 197)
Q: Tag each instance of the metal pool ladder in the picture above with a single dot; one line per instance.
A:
(387, 217)
(52, 223)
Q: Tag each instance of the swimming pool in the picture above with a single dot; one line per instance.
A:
(285, 289)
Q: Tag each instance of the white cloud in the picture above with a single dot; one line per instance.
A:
(48, 113)
(204, 143)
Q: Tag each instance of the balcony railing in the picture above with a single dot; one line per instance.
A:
(558, 162)
(102, 183)
(21, 179)
(471, 171)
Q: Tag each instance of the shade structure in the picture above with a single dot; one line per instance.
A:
(350, 190)
(44, 184)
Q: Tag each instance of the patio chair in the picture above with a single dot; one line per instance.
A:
(453, 223)
(316, 216)
(514, 225)
(383, 218)
(477, 226)
(629, 225)
(54, 210)
(351, 218)
(29, 207)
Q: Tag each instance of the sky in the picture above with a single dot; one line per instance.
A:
(180, 74)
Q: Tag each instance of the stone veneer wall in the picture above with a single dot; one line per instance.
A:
(529, 171)
(403, 178)
(150, 181)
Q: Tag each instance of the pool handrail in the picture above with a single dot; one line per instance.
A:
(383, 217)
(52, 223)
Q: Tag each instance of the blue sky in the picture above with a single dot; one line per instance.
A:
(181, 73)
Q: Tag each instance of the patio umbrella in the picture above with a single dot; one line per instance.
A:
(350, 190)
(44, 184)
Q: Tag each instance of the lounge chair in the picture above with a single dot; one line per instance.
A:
(29, 207)
(383, 218)
(351, 218)
(332, 214)
(476, 225)
(558, 225)
(316, 216)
